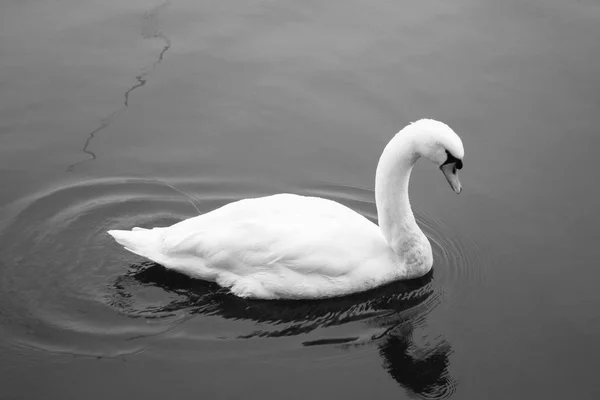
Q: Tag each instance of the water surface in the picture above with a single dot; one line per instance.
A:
(142, 113)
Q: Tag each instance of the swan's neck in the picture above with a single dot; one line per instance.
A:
(396, 219)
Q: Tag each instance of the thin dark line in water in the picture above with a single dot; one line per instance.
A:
(150, 30)
(165, 48)
(141, 82)
(141, 78)
(103, 125)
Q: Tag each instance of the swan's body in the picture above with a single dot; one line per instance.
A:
(280, 246)
(292, 247)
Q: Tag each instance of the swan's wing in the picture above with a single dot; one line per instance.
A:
(277, 235)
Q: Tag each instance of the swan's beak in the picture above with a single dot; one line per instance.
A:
(451, 173)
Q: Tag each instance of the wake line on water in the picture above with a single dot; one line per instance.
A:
(150, 30)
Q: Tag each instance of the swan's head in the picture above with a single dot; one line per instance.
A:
(437, 142)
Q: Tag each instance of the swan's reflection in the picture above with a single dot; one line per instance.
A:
(392, 311)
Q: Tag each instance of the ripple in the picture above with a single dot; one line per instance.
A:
(55, 264)
(66, 287)
(63, 281)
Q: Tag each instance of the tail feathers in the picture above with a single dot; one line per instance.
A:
(143, 242)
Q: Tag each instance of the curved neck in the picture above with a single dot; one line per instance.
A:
(396, 219)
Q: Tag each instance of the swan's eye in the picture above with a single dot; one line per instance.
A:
(458, 164)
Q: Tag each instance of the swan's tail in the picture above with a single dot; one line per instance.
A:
(143, 242)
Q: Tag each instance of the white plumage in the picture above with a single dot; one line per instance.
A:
(287, 246)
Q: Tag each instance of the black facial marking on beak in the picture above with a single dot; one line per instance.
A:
(451, 159)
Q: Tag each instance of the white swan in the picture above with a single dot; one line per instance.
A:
(287, 246)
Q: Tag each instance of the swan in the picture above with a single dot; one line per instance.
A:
(287, 246)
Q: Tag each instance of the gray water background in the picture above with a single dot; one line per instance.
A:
(115, 114)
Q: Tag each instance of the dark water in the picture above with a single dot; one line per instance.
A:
(115, 114)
